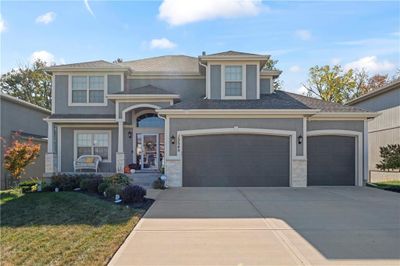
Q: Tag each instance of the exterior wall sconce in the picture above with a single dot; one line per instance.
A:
(300, 139)
(129, 134)
(173, 139)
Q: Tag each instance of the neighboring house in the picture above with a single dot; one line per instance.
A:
(25, 119)
(215, 120)
(385, 129)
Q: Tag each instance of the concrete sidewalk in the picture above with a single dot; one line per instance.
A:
(267, 226)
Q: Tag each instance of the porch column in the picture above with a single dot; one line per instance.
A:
(120, 156)
(50, 157)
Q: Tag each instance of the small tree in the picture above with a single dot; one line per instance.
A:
(19, 155)
(390, 157)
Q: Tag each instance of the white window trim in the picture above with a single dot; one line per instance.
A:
(70, 103)
(243, 96)
(76, 132)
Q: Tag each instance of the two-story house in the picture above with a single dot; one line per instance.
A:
(215, 120)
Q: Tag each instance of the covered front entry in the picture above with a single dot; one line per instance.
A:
(331, 160)
(236, 160)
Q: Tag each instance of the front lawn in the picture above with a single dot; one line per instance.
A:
(389, 185)
(64, 228)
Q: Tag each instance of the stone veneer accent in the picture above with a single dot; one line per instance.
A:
(120, 162)
(381, 176)
(299, 173)
(173, 171)
(50, 163)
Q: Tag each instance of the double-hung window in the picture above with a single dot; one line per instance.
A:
(93, 143)
(233, 81)
(87, 90)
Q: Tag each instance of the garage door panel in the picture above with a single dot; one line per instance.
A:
(331, 161)
(236, 160)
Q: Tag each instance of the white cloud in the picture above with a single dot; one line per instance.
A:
(304, 35)
(370, 64)
(295, 69)
(302, 90)
(2, 24)
(180, 12)
(88, 8)
(162, 43)
(44, 56)
(336, 61)
(46, 18)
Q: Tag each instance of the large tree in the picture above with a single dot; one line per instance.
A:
(334, 84)
(30, 83)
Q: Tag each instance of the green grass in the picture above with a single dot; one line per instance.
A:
(389, 185)
(65, 228)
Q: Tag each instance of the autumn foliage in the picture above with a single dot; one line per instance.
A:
(19, 155)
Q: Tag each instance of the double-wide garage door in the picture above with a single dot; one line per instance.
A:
(331, 161)
(236, 160)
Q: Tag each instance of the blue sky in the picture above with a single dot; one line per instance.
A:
(299, 34)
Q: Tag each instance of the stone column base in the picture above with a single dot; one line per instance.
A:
(120, 162)
(299, 173)
(173, 171)
(50, 163)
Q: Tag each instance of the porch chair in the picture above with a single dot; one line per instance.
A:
(87, 162)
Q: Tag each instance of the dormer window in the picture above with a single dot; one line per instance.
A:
(233, 82)
(87, 90)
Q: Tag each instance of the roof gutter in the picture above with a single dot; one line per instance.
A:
(237, 111)
(141, 96)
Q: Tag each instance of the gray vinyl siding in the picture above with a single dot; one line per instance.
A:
(61, 97)
(265, 86)
(215, 81)
(353, 125)
(67, 148)
(292, 124)
(114, 83)
(251, 81)
(17, 117)
(186, 88)
(384, 129)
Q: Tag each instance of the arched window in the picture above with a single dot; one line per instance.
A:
(149, 120)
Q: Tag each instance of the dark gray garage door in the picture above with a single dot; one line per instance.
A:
(331, 161)
(235, 161)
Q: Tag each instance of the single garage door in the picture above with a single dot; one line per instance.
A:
(331, 161)
(235, 161)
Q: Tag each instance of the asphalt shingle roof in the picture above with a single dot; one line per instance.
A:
(166, 64)
(276, 100)
(148, 89)
(91, 64)
(233, 53)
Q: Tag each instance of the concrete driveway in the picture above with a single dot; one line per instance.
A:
(267, 226)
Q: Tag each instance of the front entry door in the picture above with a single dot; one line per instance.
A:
(148, 151)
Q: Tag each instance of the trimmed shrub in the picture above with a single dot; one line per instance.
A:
(28, 186)
(117, 179)
(90, 184)
(133, 194)
(102, 187)
(390, 155)
(111, 191)
(159, 184)
(65, 182)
